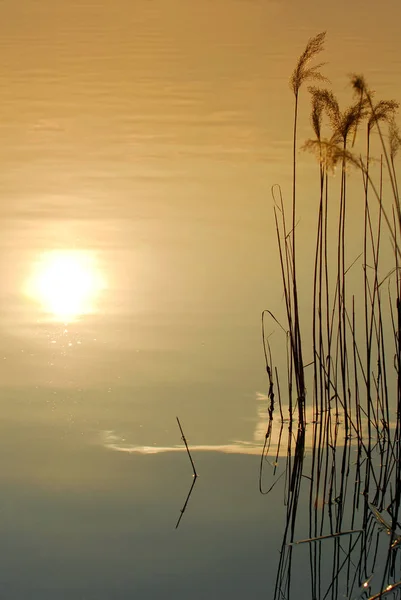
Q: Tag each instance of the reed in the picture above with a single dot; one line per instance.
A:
(349, 470)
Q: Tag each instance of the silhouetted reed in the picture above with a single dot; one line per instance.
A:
(343, 451)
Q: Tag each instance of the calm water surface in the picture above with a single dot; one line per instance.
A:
(139, 144)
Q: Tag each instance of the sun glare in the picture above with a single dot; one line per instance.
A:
(66, 283)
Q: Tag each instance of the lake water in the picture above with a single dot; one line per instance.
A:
(140, 141)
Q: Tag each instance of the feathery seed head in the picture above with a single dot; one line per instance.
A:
(383, 111)
(302, 72)
(359, 84)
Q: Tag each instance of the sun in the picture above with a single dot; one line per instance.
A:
(66, 283)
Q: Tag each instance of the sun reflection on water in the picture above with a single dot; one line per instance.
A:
(66, 283)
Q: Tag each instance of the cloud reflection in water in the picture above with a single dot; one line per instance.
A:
(279, 431)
